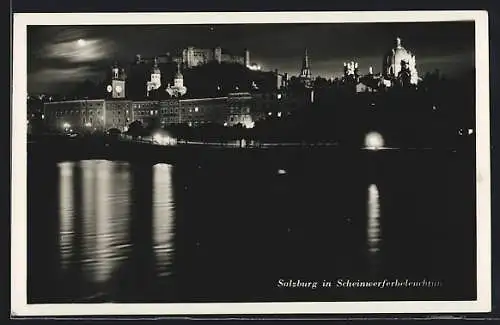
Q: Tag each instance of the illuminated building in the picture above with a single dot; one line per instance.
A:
(279, 104)
(305, 72)
(145, 111)
(240, 109)
(351, 69)
(117, 87)
(118, 114)
(369, 83)
(88, 114)
(192, 57)
(155, 81)
(281, 79)
(236, 108)
(400, 65)
(169, 111)
(76, 115)
(196, 111)
(178, 89)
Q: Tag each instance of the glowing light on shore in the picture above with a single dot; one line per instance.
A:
(254, 67)
(164, 139)
(81, 42)
(374, 141)
(249, 124)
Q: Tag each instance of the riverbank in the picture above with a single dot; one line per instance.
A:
(275, 158)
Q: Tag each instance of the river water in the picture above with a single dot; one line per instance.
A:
(233, 231)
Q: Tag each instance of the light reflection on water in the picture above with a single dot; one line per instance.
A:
(104, 212)
(66, 211)
(119, 223)
(162, 216)
(373, 228)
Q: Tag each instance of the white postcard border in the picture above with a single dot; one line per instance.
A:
(19, 305)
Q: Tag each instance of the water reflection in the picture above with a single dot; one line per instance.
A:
(119, 225)
(162, 216)
(373, 219)
(66, 210)
(104, 213)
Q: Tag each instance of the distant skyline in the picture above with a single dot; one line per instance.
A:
(59, 57)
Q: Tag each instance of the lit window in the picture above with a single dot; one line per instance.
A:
(151, 112)
(196, 109)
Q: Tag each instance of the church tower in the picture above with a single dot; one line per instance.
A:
(178, 89)
(155, 81)
(305, 73)
(117, 86)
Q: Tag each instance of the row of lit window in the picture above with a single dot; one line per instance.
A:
(144, 106)
(119, 112)
(118, 121)
(241, 109)
(151, 112)
(73, 112)
(83, 120)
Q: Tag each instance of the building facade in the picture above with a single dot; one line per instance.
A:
(117, 87)
(145, 111)
(241, 110)
(118, 114)
(76, 115)
(202, 110)
(400, 64)
(192, 57)
(88, 115)
(236, 108)
(305, 72)
(155, 79)
(177, 89)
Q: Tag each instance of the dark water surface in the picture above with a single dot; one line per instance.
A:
(229, 230)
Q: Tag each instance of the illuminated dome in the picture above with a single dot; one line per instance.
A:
(397, 58)
(178, 89)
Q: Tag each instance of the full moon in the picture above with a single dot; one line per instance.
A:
(374, 141)
(81, 42)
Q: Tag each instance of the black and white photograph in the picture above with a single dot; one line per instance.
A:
(250, 163)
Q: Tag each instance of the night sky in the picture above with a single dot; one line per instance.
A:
(61, 56)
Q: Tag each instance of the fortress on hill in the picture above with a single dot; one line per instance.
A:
(190, 57)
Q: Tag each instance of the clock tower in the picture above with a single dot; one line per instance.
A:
(117, 87)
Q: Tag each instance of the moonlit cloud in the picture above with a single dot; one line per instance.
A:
(76, 51)
(60, 77)
(66, 74)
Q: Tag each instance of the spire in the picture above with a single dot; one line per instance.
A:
(398, 42)
(156, 68)
(305, 64)
(178, 75)
(305, 73)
